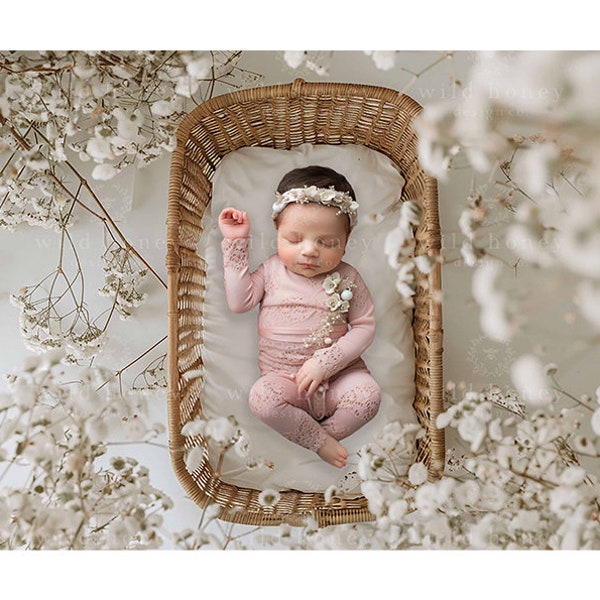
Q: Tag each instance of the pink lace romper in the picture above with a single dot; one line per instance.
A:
(292, 307)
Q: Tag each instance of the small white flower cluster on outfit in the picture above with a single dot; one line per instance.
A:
(339, 293)
(324, 196)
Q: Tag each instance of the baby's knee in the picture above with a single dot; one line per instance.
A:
(363, 398)
(258, 400)
(266, 396)
(373, 399)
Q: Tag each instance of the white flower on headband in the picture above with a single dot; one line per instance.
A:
(324, 196)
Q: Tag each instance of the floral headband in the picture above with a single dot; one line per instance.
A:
(324, 196)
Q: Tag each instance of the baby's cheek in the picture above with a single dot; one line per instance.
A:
(332, 258)
(285, 253)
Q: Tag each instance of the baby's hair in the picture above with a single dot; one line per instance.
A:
(322, 177)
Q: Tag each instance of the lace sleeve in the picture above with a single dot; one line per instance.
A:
(331, 360)
(235, 253)
(243, 290)
(361, 318)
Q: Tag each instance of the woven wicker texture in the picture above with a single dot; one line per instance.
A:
(281, 117)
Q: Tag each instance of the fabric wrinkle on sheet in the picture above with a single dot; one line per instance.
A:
(291, 308)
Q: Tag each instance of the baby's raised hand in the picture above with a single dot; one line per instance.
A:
(234, 223)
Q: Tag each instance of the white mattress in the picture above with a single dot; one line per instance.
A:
(247, 179)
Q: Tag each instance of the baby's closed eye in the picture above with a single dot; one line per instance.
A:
(330, 243)
(293, 240)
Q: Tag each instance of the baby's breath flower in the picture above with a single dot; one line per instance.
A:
(330, 492)
(99, 148)
(582, 444)
(424, 263)
(493, 497)
(417, 474)
(400, 241)
(531, 382)
(471, 253)
(383, 60)
(564, 500)
(220, 429)
(200, 67)
(269, 498)
(427, 499)
(35, 160)
(211, 512)
(104, 172)
(443, 419)
(397, 510)
(294, 58)
(372, 490)
(162, 108)
(487, 532)
(466, 494)
(242, 447)
(572, 475)
(405, 280)
(135, 428)
(595, 421)
(128, 123)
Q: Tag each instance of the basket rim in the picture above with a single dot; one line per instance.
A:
(298, 87)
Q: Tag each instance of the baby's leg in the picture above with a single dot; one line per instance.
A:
(353, 400)
(274, 399)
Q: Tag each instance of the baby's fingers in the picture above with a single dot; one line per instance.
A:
(229, 213)
(303, 381)
(312, 388)
(302, 384)
(240, 216)
(308, 384)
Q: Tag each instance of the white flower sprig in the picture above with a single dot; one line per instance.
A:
(313, 61)
(122, 280)
(536, 188)
(225, 435)
(269, 498)
(59, 486)
(519, 485)
(339, 293)
(112, 110)
(399, 249)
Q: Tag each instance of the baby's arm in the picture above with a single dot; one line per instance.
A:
(243, 290)
(361, 317)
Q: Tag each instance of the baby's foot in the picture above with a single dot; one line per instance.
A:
(333, 452)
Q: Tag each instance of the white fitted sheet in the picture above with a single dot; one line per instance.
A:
(247, 179)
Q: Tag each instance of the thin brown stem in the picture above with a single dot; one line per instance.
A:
(83, 183)
(416, 75)
(122, 370)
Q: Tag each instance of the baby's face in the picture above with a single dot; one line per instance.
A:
(311, 238)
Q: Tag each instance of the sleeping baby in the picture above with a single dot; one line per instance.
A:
(316, 314)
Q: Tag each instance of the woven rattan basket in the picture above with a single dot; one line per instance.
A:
(284, 116)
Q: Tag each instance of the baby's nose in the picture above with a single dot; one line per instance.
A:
(309, 248)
